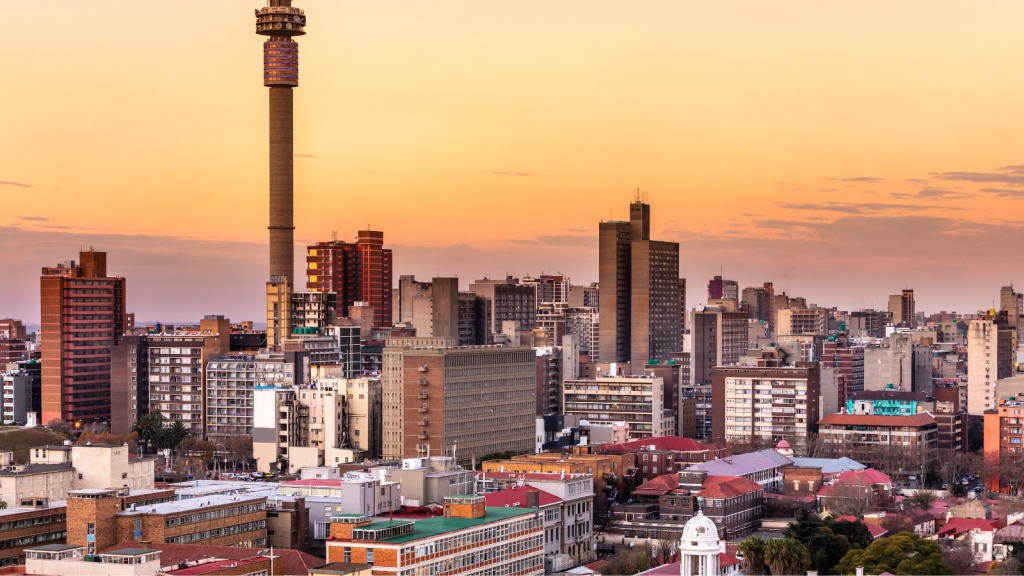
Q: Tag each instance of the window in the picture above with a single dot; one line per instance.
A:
(369, 555)
(321, 530)
(124, 475)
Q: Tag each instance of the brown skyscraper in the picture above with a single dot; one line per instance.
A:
(359, 272)
(280, 21)
(83, 317)
(639, 291)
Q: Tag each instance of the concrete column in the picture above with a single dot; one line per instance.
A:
(282, 227)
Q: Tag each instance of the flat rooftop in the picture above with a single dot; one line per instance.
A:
(52, 508)
(440, 525)
(192, 504)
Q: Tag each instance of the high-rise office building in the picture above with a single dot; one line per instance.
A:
(476, 399)
(639, 290)
(989, 358)
(506, 300)
(849, 362)
(901, 306)
(83, 318)
(394, 390)
(359, 272)
(12, 330)
(719, 288)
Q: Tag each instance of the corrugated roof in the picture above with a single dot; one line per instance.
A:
(295, 562)
(922, 419)
(727, 487)
(743, 464)
(829, 465)
(957, 526)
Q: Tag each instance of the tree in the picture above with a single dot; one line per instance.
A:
(494, 456)
(754, 562)
(903, 553)
(179, 432)
(1009, 567)
(855, 532)
(3, 505)
(924, 499)
(960, 557)
(636, 559)
(847, 498)
(786, 556)
(60, 427)
(897, 523)
(825, 547)
(975, 435)
(148, 426)
(668, 547)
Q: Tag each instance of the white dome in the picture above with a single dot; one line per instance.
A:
(699, 534)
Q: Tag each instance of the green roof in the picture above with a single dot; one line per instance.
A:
(349, 515)
(383, 525)
(440, 524)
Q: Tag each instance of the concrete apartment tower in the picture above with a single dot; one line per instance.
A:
(639, 291)
(280, 21)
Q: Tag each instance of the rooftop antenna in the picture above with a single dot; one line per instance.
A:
(334, 235)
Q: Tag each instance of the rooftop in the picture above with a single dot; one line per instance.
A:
(921, 419)
(295, 562)
(891, 395)
(670, 443)
(214, 566)
(193, 504)
(52, 507)
(31, 469)
(342, 568)
(441, 525)
(516, 497)
(829, 465)
(129, 552)
(56, 547)
(743, 464)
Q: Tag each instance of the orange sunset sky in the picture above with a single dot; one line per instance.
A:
(841, 150)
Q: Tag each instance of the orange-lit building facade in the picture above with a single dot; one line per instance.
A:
(359, 272)
(83, 317)
(1004, 438)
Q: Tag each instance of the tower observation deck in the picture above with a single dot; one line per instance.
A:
(281, 21)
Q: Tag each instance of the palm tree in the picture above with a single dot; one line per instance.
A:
(753, 549)
(786, 556)
(179, 432)
(148, 426)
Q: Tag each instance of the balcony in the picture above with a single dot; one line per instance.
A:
(423, 382)
(423, 395)
(424, 422)
(422, 436)
(424, 409)
(423, 368)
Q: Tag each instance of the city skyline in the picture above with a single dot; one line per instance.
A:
(886, 173)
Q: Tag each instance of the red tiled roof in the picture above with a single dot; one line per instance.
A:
(920, 419)
(957, 526)
(863, 477)
(658, 486)
(295, 562)
(725, 560)
(673, 569)
(516, 497)
(671, 443)
(727, 487)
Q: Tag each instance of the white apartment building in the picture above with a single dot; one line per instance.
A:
(230, 385)
(989, 358)
(639, 401)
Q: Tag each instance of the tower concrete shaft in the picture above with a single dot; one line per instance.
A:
(280, 21)
(282, 227)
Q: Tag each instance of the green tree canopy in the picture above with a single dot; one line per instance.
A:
(753, 549)
(786, 556)
(903, 553)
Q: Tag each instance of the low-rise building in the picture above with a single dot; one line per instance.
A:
(870, 438)
(62, 559)
(30, 522)
(666, 503)
(764, 467)
(568, 530)
(470, 538)
(428, 481)
(359, 492)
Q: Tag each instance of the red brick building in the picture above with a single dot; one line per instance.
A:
(83, 317)
(359, 272)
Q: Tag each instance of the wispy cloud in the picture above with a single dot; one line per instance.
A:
(55, 227)
(856, 208)
(7, 183)
(1003, 192)
(304, 156)
(868, 179)
(510, 173)
(1017, 169)
(35, 218)
(933, 194)
(981, 177)
(562, 240)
